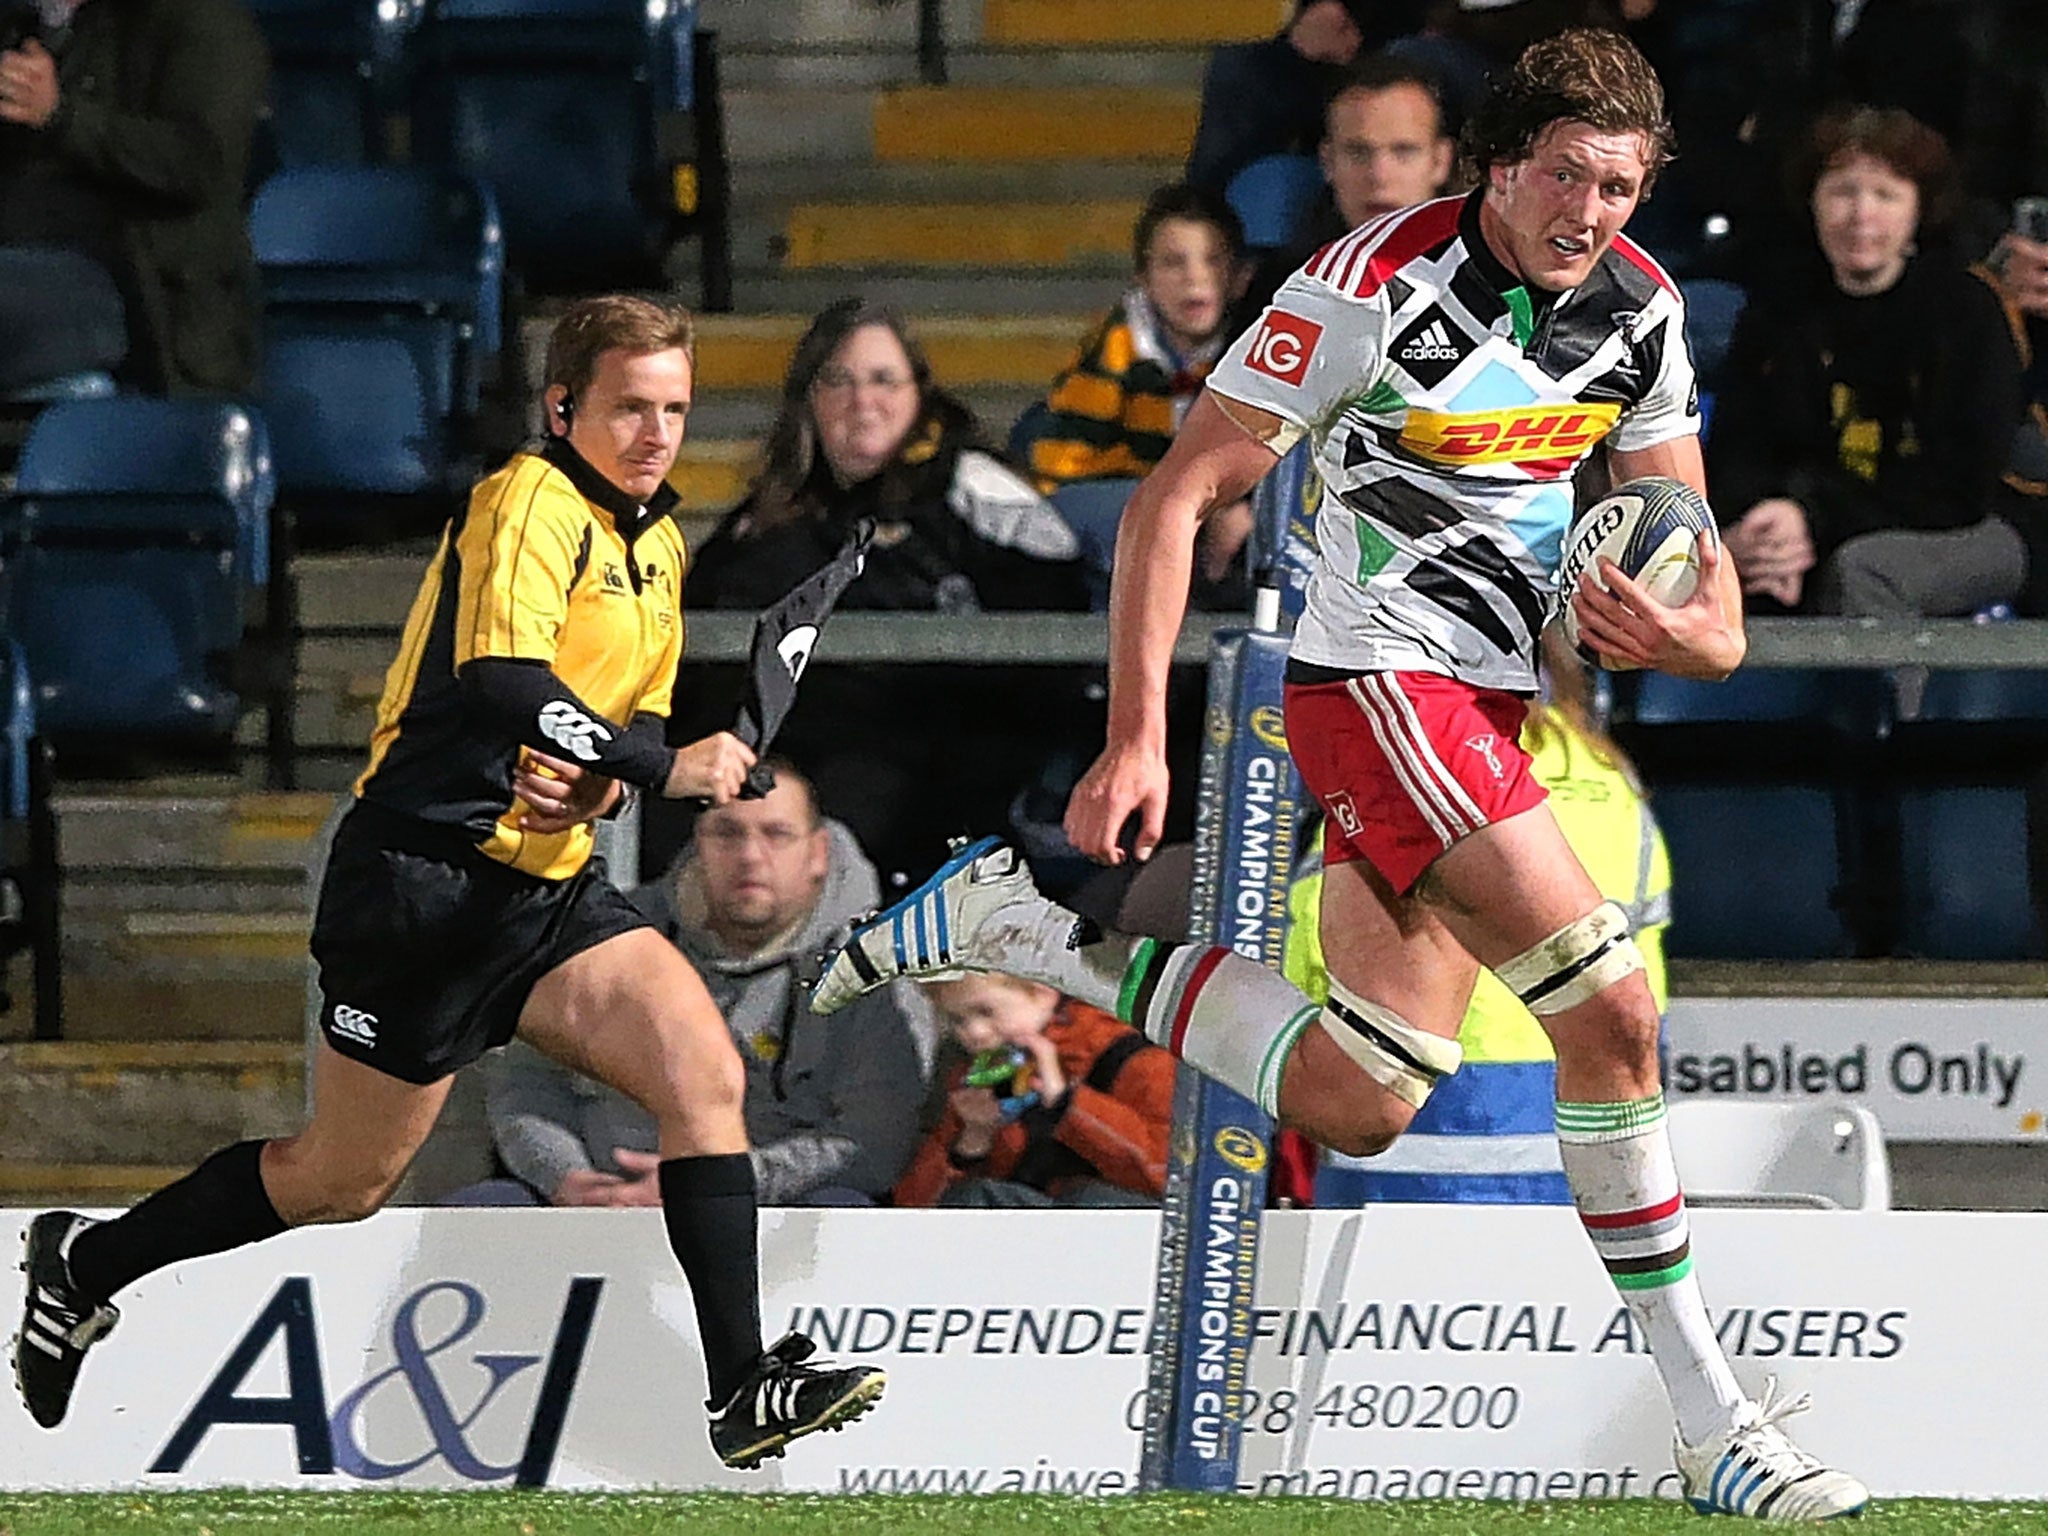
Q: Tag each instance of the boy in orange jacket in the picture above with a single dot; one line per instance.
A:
(1077, 1115)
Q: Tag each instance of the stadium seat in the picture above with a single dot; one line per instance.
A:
(1712, 306)
(349, 414)
(1755, 871)
(1272, 197)
(1799, 1156)
(573, 110)
(1964, 888)
(333, 69)
(134, 535)
(409, 251)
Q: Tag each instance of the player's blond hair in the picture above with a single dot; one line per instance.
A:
(594, 326)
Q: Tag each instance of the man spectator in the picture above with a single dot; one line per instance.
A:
(831, 1105)
(1267, 98)
(125, 131)
(1386, 145)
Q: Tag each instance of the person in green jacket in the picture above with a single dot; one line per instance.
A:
(125, 134)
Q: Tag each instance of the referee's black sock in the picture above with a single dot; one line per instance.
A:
(708, 1204)
(219, 1205)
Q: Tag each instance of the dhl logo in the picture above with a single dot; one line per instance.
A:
(1541, 433)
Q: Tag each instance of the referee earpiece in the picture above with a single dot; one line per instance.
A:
(565, 410)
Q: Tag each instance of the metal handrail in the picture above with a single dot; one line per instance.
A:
(931, 41)
(1072, 639)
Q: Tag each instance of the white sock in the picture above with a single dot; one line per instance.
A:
(1617, 1159)
(1229, 1018)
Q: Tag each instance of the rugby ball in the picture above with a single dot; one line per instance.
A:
(1650, 528)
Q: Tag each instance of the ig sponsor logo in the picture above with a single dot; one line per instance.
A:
(1284, 346)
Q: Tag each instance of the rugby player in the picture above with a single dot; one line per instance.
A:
(1452, 364)
(462, 902)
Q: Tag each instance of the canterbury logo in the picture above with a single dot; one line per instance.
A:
(1433, 345)
(572, 730)
(354, 1024)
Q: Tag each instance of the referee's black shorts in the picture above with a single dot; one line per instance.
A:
(427, 949)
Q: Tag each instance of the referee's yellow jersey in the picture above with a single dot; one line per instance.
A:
(550, 562)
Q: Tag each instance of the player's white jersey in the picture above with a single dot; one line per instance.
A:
(1449, 407)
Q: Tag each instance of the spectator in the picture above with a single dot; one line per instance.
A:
(1112, 412)
(2020, 263)
(1465, 42)
(125, 132)
(864, 432)
(1267, 98)
(1865, 426)
(1386, 145)
(1114, 409)
(1082, 1122)
(831, 1104)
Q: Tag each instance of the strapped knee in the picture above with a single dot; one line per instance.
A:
(1574, 963)
(1406, 1061)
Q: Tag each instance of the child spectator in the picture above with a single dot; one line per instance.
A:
(1114, 410)
(1081, 1121)
(1111, 414)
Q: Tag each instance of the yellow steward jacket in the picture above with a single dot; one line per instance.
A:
(550, 562)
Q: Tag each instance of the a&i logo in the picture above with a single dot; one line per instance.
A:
(328, 1442)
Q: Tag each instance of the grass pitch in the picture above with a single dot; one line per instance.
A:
(567, 1514)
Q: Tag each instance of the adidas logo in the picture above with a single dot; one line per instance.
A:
(1433, 345)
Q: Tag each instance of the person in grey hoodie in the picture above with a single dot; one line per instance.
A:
(832, 1105)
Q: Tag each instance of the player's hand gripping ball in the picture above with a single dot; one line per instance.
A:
(1650, 528)
(1010, 1073)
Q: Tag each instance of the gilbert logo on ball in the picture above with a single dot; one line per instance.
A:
(1650, 529)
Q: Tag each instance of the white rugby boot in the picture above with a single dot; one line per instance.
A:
(979, 911)
(1753, 1469)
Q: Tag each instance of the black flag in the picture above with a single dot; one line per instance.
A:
(783, 638)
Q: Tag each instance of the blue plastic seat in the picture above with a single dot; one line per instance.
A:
(1712, 306)
(1272, 198)
(349, 413)
(569, 110)
(1964, 889)
(2013, 698)
(1754, 871)
(136, 529)
(1845, 699)
(407, 248)
(333, 69)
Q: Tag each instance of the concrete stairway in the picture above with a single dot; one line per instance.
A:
(996, 210)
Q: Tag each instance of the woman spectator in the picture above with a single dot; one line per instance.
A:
(1865, 421)
(906, 755)
(864, 432)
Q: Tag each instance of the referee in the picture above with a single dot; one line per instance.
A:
(463, 903)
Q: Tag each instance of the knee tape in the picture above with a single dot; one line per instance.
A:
(1406, 1061)
(1574, 963)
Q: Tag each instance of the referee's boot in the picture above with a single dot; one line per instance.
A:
(1753, 1469)
(783, 1399)
(978, 912)
(57, 1324)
